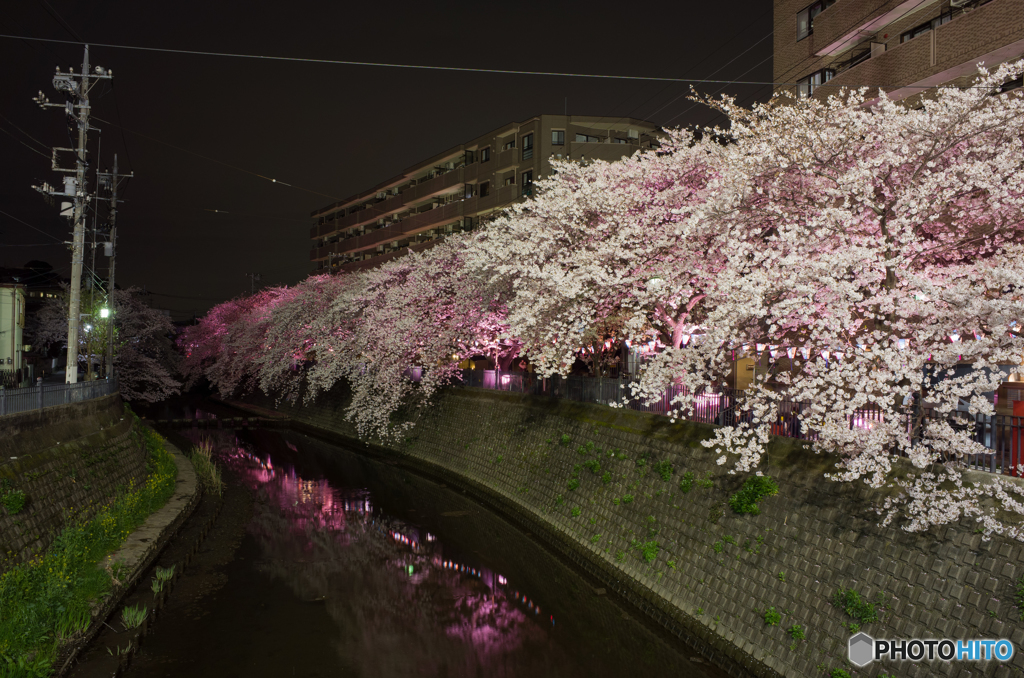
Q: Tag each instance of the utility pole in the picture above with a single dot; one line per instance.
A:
(253, 279)
(111, 251)
(76, 92)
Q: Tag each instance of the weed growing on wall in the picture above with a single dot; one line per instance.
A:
(564, 440)
(13, 501)
(48, 597)
(754, 489)
(664, 469)
(772, 617)
(706, 482)
(796, 632)
(686, 484)
(851, 602)
(1018, 597)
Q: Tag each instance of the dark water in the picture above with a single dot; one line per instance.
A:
(345, 566)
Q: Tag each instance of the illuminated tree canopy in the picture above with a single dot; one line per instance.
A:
(867, 246)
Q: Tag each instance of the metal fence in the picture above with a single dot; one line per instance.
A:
(1002, 435)
(14, 400)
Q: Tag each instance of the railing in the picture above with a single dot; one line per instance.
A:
(1002, 435)
(14, 400)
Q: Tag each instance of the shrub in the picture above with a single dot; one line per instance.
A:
(754, 489)
(607, 477)
(686, 484)
(771, 617)
(850, 601)
(564, 440)
(576, 511)
(839, 673)
(627, 498)
(664, 469)
(573, 483)
(717, 546)
(593, 464)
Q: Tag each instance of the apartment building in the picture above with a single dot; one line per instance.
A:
(905, 47)
(456, 189)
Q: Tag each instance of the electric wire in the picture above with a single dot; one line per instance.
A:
(25, 223)
(430, 67)
(9, 122)
(34, 150)
(219, 162)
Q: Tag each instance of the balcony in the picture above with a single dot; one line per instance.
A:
(392, 204)
(992, 33)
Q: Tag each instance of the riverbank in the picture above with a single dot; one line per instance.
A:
(640, 503)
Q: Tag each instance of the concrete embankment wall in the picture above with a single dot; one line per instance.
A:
(68, 460)
(717, 572)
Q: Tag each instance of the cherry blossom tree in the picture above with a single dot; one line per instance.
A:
(859, 249)
(876, 245)
(144, 362)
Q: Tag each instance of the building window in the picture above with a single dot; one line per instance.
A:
(485, 154)
(485, 189)
(558, 137)
(617, 140)
(805, 17)
(510, 179)
(806, 86)
(469, 191)
(586, 138)
(470, 157)
(927, 26)
(509, 144)
(527, 147)
(527, 178)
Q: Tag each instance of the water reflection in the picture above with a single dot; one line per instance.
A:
(405, 602)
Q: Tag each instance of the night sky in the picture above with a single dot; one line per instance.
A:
(329, 130)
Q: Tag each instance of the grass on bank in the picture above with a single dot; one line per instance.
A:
(207, 472)
(47, 600)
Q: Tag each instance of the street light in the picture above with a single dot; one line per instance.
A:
(104, 312)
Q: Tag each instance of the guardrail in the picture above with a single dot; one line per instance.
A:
(15, 400)
(1002, 435)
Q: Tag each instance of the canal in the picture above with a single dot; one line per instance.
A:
(324, 562)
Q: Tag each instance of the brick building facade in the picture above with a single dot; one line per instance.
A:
(902, 47)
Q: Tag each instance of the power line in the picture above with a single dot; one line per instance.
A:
(34, 150)
(8, 121)
(219, 162)
(427, 67)
(11, 216)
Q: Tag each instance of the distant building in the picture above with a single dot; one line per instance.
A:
(903, 47)
(35, 282)
(12, 326)
(452, 191)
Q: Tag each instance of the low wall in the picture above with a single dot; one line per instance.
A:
(716, 572)
(67, 460)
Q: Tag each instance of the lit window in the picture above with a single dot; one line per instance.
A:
(527, 147)
(558, 137)
(485, 154)
(805, 17)
(511, 179)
